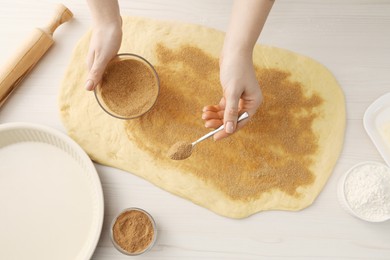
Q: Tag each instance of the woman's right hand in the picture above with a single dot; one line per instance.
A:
(105, 43)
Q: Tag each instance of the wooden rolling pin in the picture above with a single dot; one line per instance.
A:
(32, 50)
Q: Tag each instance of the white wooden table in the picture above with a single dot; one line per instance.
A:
(351, 38)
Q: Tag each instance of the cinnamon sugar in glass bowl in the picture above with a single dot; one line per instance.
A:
(133, 232)
(129, 87)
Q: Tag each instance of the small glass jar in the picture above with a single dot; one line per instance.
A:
(148, 247)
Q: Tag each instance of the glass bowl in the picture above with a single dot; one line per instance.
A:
(129, 87)
(118, 247)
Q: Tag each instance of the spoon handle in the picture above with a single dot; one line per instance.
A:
(242, 117)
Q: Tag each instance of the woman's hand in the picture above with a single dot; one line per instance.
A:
(105, 40)
(241, 92)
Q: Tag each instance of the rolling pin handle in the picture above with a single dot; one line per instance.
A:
(32, 50)
(62, 15)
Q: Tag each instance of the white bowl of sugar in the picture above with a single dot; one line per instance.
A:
(364, 191)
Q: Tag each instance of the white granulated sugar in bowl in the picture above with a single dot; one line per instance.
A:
(367, 191)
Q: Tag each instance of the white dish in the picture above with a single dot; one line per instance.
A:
(343, 197)
(51, 198)
(376, 118)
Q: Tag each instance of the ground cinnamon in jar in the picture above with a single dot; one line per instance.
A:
(133, 231)
(129, 87)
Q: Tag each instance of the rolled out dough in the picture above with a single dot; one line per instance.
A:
(127, 146)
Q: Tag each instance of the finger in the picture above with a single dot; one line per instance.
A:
(212, 115)
(95, 74)
(252, 102)
(231, 112)
(222, 103)
(213, 123)
(242, 122)
(220, 135)
(90, 58)
(214, 108)
(89, 85)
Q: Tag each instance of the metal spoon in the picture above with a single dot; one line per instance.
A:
(245, 115)
(182, 150)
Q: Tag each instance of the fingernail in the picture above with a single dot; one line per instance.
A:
(229, 127)
(203, 116)
(89, 85)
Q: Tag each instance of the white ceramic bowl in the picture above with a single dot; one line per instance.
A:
(51, 196)
(342, 196)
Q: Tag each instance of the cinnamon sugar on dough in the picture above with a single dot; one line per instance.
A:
(275, 149)
(280, 160)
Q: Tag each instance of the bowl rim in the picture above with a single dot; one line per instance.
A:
(101, 102)
(341, 191)
(118, 247)
(49, 135)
